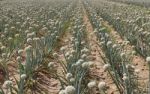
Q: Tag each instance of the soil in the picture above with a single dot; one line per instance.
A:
(97, 73)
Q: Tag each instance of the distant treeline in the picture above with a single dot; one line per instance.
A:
(143, 3)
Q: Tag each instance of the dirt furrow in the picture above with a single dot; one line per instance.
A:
(63, 41)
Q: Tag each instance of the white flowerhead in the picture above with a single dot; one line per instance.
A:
(36, 39)
(84, 56)
(125, 77)
(106, 67)
(72, 38)
(137, 71)
(18, 23)
(7, 84)
(91, 63)
(114, 46)
(33, 34)
(56, 31)
(52, 34)
(57, 37)
(29, 40)
(55, 55)
(70, 57)
(43, 39)
(102, 39)
(95, 31)
(73, 66)
(126, 42)
(91, 84)
(109, 43)
(4, 55)
(73, 51)
(72, 80)
(102, 85)
(29, 35)
(20, 52)
(49, 32)
(6, 25)
(13, 28)
(79, 62)
(62, 92)
(133, 47)
(17, 35)
(76, 42)
(3, 47)
(102, 43)
(2, 36)
(62, 49)
(10, 38)
(67, 54)
(85, 50)
(122, 55)
(51, 64)
(107, 35)
(68, 76)
(148, 59)
(83, 42)
(27, 31)
(129, 66)
(19, 59)
(44, 29)
(30, 28)
(133, 52)
(70, 90)
(85, 65)
(23, 76)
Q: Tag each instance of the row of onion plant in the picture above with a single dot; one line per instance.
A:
(118, 62)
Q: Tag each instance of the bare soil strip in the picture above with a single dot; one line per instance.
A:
(64, 41)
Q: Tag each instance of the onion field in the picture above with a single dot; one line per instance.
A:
(74, 47)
